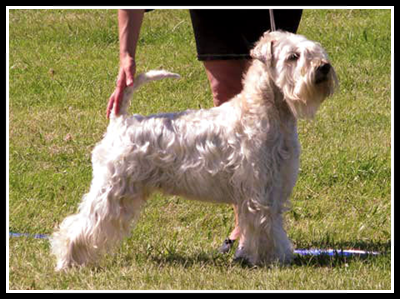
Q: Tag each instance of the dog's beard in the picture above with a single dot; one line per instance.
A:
(302, 93)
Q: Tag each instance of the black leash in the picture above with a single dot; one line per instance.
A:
(271, 18)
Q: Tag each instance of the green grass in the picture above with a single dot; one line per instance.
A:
(63, 65)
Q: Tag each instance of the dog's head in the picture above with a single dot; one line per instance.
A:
(300, 68)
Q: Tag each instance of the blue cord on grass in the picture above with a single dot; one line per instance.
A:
(335, 252)
(37, 236)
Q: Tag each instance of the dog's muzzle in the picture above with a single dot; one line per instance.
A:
(321, 74)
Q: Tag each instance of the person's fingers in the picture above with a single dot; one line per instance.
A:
(125, 78)
(110, 104)
(116, 95)
(119, 94)
(115, 101)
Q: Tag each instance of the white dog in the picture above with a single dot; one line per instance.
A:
(244, 152)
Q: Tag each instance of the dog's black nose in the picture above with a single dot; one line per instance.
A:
(324, 68)
(322, 72)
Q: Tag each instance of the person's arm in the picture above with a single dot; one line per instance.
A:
(129, 23)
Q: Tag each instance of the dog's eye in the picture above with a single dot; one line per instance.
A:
(293, 57)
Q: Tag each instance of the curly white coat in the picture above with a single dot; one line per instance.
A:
(244, 152)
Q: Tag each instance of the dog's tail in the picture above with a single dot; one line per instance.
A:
(139, 81)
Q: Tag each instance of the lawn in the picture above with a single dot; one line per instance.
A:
(62, 69)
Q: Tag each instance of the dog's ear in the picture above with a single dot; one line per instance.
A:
(263, 49)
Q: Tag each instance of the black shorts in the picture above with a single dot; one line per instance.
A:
(231, 34)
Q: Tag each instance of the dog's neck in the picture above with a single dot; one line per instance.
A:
(261, 94)
(264, 113)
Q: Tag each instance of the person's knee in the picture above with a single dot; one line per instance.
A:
(223, 90)
(225, 77)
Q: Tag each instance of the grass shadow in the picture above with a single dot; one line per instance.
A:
(214, 258)
(186, 260)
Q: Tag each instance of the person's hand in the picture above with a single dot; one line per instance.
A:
(126, 77)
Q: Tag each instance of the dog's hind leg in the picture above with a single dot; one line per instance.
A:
(103, 220)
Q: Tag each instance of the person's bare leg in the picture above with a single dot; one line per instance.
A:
(225, 77)
(235, 234)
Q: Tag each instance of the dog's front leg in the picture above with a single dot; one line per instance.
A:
(263, 237)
